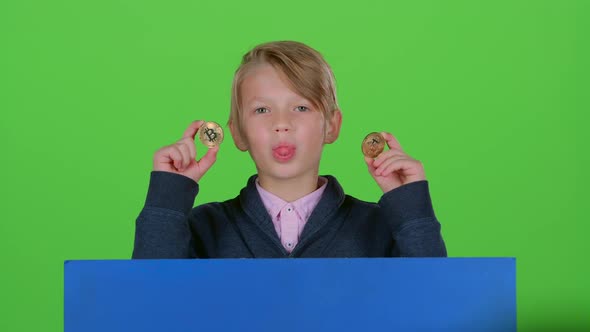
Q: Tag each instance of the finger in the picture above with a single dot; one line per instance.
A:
(163, 159)
(370, 161)
(387, 155)
(175, 155)
(186, 155)
(382, 165)
(403, 165)
(392, 142)
(191, 147)
(386, 167)
(193, 150)
(192, 129)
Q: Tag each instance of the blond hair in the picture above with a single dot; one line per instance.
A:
(307, 72)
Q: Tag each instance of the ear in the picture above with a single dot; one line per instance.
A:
(238, 139)
(333, 127)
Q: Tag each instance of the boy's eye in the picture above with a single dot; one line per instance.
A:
(302, 108)
(261, 110)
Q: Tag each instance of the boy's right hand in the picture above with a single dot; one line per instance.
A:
(180, 157)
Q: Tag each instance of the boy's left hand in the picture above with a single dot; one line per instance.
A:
(394, 168)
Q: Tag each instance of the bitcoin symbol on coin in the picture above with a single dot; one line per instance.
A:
(373, 145)
(210, 134)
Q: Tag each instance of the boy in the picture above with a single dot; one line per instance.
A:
(283, 110)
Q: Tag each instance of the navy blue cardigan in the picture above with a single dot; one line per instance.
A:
(402, 223)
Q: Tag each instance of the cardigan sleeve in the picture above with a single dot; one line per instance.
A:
(410, 216)
(161, 229)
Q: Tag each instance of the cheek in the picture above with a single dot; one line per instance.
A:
(316, 131)
(258, 141)
(251, 131)
(256, 136)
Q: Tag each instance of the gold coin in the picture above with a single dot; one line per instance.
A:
(210, 134)
(373, 145)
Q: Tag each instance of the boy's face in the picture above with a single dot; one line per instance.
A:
(283, 132)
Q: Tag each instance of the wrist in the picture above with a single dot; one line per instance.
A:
(171, 191)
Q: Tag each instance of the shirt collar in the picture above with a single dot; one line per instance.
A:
(303, 206)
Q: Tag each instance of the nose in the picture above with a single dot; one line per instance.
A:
(282, 122)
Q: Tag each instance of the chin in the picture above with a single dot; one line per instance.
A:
(286, 172)
(291, 169)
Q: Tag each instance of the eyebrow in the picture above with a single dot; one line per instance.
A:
(265, 100)
(256, 99)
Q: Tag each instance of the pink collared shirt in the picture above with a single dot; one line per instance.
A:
(289, 218)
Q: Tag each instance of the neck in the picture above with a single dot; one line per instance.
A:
(290, 189)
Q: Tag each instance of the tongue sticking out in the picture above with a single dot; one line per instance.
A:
(284, 153)
(283, 150)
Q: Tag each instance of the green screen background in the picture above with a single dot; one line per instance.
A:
(488, 95)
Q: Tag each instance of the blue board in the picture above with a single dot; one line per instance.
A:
(344, 294)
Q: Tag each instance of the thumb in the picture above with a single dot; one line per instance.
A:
(208, 159)
(199, 168)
